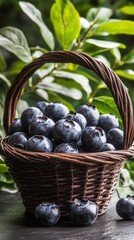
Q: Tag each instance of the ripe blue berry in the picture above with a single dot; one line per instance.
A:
(41, 126)
(66, 148)
(16, 126)
(66, 131)
(90, 113)
(18, 139)
(77, 117)
(56, 111)
(47, 214)
(83, 213)
(108, 121)
(41, 105)
(107, 147)
(93, 139)
(28, 115)
(125, 207)
(38, 143)
(115, 136)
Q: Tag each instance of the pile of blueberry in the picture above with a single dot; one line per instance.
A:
(50, 127)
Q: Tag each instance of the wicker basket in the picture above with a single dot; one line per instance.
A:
(58, 177)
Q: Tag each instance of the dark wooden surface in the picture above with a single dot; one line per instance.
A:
(14, 225)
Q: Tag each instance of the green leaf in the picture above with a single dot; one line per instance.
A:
(99, 15)
(128, 10)
(42, 93)
(104, 44)
(5, 79)
(115, 27)
(129, 58)
(129, 165)
(106, 104)
(49, 85)
(72, 67)
(16, 67)
(45, 71)
(126, 185)
(70, 92)
(85, 24)
(6, 178)
(22, 105)
(1, 159)
(91, 76)
(127, 73)
(14, 41)
(66, 22)
(35, 15)
(2, 63)
(103, 59)
(82, 80)
(116, 53)
(3, 168)
(10, 188)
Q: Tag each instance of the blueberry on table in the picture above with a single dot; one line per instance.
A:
(77, 117)
(28, 115)
(125, 207)
(108, 121)
(83, 212)
(18, 139)
(41, 126)
(93, 139)
(16, 126)
(90, 113)
(41, 105)
(47, 214)
(39, 143)
(66, 131)
(56, 111)
(66, 148)
(115, 136)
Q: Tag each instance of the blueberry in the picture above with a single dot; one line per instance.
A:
(28, 115)
(115, 136)
(18, 139)
(56, 111)
(90, 113)
(66, 131)
(16, 126)
(84, 212)
(47, 214)
(93, 139)
(41, 105)
(108, 121)
(41, 126)
(125, 207)
(66, 148)
(77, 117)
(38, 143)
(79, 146)
(107, 147)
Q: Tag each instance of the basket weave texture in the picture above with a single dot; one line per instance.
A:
(58, 177)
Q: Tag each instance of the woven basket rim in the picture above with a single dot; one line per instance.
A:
(105, 157)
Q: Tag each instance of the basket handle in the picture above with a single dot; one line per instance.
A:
(115, 85)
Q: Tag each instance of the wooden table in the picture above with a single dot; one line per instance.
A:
(15, 226)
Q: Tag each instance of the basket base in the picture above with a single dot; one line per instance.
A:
(63, 182)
